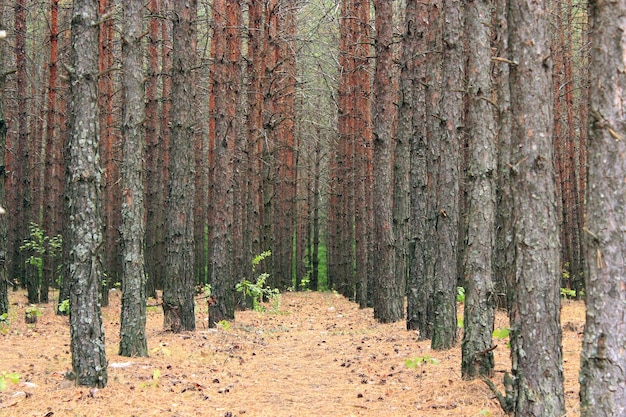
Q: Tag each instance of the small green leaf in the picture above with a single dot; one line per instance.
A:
(501, 333)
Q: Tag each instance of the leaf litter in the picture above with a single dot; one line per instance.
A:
(319, 355)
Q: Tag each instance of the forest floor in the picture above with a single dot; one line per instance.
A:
(317, 354)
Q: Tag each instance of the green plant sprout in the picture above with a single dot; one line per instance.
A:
(5, 323)
(257, 290)
(224, 324)
(8, 377)
(460, 294)
(415, 362)
(31, 313)
(39, 244)
(64, 306)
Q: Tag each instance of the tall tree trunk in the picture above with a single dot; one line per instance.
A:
(412, 125)
(153, 178)
(22, 209)
(52, 151)
(133, 321)
(165, 139)
(426, 37)
(4, 287)
(603, 364)
(255, 67)
(178, 288)
(363, 151)
(110, 147)
(343, 177)
(477, 355)
(503, 253)
(388, 296)
(444, 183)
(226, 53)
(534, 314)
(84, 232)
(285, 175)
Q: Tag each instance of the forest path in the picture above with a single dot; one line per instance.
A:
(316, 355)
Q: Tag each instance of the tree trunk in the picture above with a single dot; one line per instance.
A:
(603, 364)
(52, 150)
(363, 150)
(133, 321)
(178, 288)
(411, 127)
(4, 287)
(22, 208)
(84, 231)
(226, 52)
(110, 147)
(154, 181)
(477, 355)
(388, 296)
(503, 254)
(534, 315)
(444, 183)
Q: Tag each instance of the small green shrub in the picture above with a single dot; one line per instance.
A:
(8, 377)
(460, 294)
(415, 362)
(257, 289)
(64, 306)
(32, 313)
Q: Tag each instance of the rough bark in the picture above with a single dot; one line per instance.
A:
(284, 50)
(477, 355)
(84, 178)
(411, 127)
(51, 203)
(23, 203)
(603, 364)
(225, 89)
(503, 254)
(153, 179)
(4, 287)
(178, 288)
(133, 340)
(388, 296)
(534, 314)
(443, 213)
(110, 152)
(363, 151)
(427, 37)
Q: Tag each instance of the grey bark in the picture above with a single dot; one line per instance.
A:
(133, 340)
(534, 314)
(412, 117)
(504, 254)
(226, 88)
(388, 298)
(444, 183)
(603, 363)
(4, 239)
(477, 355)
(83, 195)
(178, 288)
